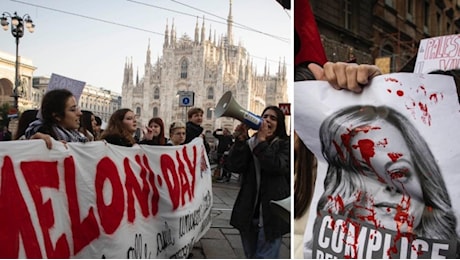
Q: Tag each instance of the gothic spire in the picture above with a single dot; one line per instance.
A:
(210, 33)
(125, 72)
(229, 25)
(147, 60)
(173, 35)
(130, 77)
(284, 68)
(265, 68)
(202, 32)
(166, 43)
(197, 40)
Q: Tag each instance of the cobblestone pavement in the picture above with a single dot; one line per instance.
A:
(222, 241)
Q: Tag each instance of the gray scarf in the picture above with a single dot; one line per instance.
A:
(61, 133)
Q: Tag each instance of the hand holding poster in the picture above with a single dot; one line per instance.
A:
(97, 200)
(390, 188)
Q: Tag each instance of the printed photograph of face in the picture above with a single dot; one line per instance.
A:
(394, 199)
(382, 172)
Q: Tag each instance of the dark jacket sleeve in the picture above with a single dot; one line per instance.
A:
(192, 131)
(148, 142)
(274, 158)
(206, 146)
(117, 140)
(239, 157)
(215, 133)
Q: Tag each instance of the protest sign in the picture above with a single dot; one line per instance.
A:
(438, 53)
(387, 182)
(61, 82)
(98, 200)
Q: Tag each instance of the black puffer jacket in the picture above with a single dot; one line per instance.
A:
(192, 131)
(275, 184)
(117, 140)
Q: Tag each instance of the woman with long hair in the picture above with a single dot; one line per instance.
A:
(383, 171)
(263, 162)
(25, 119)
(154, 133)
(340, 75)
(59, 118)
(87, 124)
(121, 128)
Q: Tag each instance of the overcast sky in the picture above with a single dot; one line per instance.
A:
(90, 40)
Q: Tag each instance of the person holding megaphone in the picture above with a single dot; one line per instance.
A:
(263, 161)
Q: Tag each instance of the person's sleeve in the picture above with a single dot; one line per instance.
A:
(274, 159)
(33, 128)
(307, 40)
(148, 142)
(215, 133)
(207, 147)
(239, 156)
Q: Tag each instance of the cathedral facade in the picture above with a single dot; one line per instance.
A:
(206, 66)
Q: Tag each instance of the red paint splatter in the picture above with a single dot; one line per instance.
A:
(339, 150)
(399, 174)
(394, 156)
(435, 97)
(346, 138)
(400, 93)
(366, 129)
(422, 88)
(426, 117)
(383, 143)
(338, 202)
(366, 148)
(389, 90)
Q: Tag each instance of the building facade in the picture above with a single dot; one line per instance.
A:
(383, 32)
(7, 81)
(206, 66)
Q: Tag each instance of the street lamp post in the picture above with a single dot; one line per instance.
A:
(17, 30)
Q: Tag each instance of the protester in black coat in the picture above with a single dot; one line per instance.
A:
(264, 163)
(225, 142)
(193, 127)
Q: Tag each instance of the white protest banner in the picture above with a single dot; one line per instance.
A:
(97, 200)
(438, 53)
(61, 82)
(388, 160)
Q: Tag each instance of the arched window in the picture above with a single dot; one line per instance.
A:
(183, 69)
(155, 112)
(138, 111)
(209, 113)
(156, 93)
(210, 93)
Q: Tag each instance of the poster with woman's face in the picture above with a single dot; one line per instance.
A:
(387, 183)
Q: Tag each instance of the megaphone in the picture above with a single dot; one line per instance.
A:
(227, 106)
